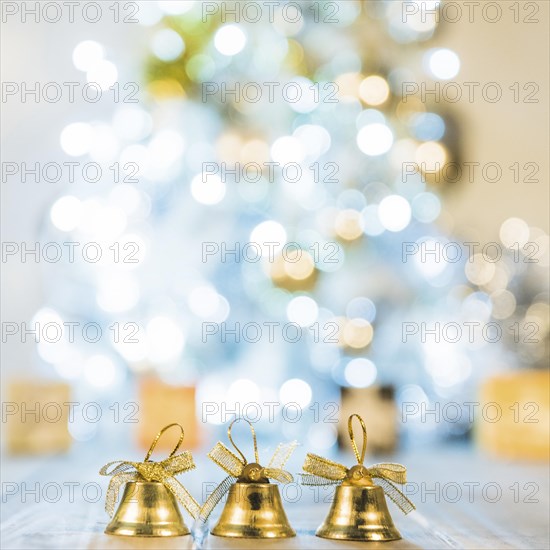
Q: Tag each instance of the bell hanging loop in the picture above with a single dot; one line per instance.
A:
(254, 440)
(360, 457)
(159, 435)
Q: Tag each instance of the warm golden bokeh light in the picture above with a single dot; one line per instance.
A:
(374, 90)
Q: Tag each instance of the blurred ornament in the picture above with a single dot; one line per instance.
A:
(317, 152)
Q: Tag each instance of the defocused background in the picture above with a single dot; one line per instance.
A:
(353, 315)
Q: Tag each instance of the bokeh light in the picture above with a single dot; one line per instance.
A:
(87, 54)
(76, 139)
(100, 371)
(514, 232)
(374, 90)
(230, 40)
(431, 157)
(479, 269)
(165, 339)
(269, 236)
(302, 310)
(65, 213)
(427, 126)
(208, 189)
(443, 63)
(103, 73)
(296, 391)
(360, 372)
(167, 44)
(394, 212)
(357, 333)
(348, 224)
(375, 139)
(287, 149)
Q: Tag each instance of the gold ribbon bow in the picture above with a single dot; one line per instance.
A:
(124, 471)
(322, 471)
(239, 469)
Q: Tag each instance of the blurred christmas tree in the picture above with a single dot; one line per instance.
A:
(273, 201)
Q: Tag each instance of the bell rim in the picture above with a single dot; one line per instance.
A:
(288, 535)
(148, 536)
(261, 484)
(357, 538)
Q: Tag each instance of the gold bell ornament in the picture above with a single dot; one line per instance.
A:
(359, 510)
(254, 508)
(149, 504)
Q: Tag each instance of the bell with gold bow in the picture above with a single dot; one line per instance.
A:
(149, 504)
(254, 508)
(359, 510)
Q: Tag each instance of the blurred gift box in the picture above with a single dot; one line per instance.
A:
(36, 415)
(161, 404)
(376, 404)
(513, 419)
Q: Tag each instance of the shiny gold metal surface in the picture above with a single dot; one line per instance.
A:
(253, 510)
(149, 504)
(147, 509)
(359, 512)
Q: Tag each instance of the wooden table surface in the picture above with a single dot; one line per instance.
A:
(477, 518)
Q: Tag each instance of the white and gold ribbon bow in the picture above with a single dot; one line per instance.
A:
(240, 470)
(321, 471)
(124, 471)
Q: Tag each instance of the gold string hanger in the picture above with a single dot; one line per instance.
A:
(251, 471)
(360, 457)
(159, 435)
(358, 474)
(322, 471)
